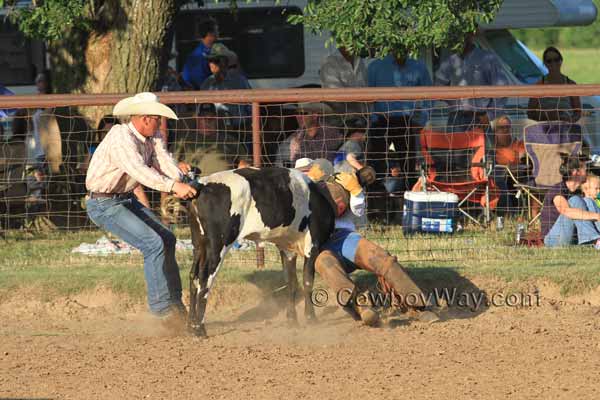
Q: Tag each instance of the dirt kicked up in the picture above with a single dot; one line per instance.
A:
(100, 347)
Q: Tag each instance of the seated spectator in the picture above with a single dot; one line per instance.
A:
(564, 213)
(351, 156)
(509, 154)
(224, 79)
(509, 151)
(313, 139)
(208, 147)
(566, 109)
(394, 183)
(20, 180)
(196, 70)
(590, 189)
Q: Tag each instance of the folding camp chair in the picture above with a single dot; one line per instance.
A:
(544, 143)
(455, 163)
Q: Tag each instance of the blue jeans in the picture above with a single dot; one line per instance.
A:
(561, 233)
(140, 227)
(343, 243)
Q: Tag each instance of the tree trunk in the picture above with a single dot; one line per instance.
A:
(121, 55)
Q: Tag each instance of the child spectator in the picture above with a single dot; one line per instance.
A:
(590, 189)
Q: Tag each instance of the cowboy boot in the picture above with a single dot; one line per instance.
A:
(330, 268)
(371, 257)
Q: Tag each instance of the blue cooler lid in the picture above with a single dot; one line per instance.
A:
(427, 197)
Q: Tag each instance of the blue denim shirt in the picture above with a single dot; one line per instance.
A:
(195, 71)
(387, 73)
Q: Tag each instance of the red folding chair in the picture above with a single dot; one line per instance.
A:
(455, 163)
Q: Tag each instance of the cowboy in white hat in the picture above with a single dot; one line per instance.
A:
(129, 155)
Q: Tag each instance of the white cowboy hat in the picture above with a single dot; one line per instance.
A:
(303, 163)
(144, 103)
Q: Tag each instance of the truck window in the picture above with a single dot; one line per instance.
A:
(267, 45)
(20, 58)
(509, 50)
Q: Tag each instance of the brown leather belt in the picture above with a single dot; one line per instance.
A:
(96, 195)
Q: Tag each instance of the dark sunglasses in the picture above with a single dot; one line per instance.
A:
(552, 60)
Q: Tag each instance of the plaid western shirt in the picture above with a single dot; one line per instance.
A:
(125, 158)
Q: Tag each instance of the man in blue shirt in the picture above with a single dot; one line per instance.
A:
(195, 71)
(397, 122)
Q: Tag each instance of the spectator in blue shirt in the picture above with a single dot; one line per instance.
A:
(195, 71)
(397, 122)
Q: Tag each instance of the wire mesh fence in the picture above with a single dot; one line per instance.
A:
(492, 164)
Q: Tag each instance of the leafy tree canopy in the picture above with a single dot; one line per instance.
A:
(51, 19)
(401, 26)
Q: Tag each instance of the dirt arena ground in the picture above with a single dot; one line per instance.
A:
(98, 346)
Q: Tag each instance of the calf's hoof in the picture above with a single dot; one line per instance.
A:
(198, 330)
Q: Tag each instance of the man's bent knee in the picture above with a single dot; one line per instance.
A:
(326, 260)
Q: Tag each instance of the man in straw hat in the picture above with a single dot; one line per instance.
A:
(129, 155)
(314, 139)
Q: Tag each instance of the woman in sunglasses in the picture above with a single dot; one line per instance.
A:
(566, 108)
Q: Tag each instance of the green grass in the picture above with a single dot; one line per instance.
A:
(581, 65)
(46, 267)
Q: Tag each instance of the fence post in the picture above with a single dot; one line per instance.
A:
(256, 159)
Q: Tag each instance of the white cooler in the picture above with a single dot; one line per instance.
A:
(430, 212)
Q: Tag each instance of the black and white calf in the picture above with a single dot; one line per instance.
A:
(276, 205)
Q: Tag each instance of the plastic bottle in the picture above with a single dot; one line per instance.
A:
(520, 232)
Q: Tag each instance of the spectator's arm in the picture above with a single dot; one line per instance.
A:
(192, 67)
(442, 75)
(353, 161)
(562, 205)
(372, 74)
(329, 76)
(576, 109)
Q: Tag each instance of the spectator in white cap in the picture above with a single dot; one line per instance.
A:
(129, 155)
(303, 164)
